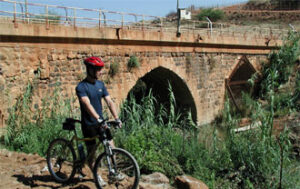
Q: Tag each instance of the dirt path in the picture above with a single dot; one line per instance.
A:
(21, 171)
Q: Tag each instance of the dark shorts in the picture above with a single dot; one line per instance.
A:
(91, 131)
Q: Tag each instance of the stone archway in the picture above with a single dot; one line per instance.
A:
(237, 82)
(158, 80)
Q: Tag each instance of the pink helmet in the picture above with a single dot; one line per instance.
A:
(94, 61)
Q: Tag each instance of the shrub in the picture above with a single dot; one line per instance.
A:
(171, 14)
(278, 70)
(212, 14)
(133, 62)
(254, 155)
(53, 17)
(114, 68)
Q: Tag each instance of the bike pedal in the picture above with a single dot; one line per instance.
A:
(116, 177)
(81, 175)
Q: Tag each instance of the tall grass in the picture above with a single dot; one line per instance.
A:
(161, 142)
(31, 130)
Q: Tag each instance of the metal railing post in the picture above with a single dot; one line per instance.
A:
(104, 18)
(161, 24)
(99, 18)
(15, 15)
(122, 24)
(47, 19)
(210, 25)
(26, 9)
(194, 26)
(142, 22)
(221, 27)
(74, 17)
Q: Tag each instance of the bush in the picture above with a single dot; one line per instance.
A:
(254, 155)
(279, 68)
(212, 14)
(114, 68)
(52, 17)
(133, 63)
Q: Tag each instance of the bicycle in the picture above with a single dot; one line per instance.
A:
(63, 163)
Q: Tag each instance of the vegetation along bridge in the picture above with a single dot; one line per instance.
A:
(200, 64)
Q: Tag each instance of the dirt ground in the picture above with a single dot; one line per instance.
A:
(21, 171)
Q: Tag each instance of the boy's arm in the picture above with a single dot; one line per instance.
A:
(111, 106)
(89, 108)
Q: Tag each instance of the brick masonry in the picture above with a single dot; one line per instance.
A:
(48, 65)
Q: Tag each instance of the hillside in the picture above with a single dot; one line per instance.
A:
(258, 14)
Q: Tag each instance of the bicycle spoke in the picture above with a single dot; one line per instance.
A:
(125, 170)
(60, 159)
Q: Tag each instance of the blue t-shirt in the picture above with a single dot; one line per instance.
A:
(95, 92)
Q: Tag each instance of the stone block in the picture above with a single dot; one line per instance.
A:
(71, 55)
(49, 57)
(45, 74)
(54, 57)
(188, 182)
(61, 57)
(3, 57)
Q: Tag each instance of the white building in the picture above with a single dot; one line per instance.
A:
(185, 14)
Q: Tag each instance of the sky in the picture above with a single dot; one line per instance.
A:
(148, 7)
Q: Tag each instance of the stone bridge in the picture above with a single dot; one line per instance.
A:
(196, 64)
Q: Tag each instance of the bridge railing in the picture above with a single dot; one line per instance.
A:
(82, 17)
(76, 17)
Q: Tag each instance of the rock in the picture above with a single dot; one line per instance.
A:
(45, 169)
(154, 181)
(143, 185)
(33, 169)
(155, 178)
(188, 182)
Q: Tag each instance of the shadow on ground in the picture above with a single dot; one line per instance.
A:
(48, 181)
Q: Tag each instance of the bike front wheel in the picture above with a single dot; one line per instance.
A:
(60, 160)
(124, 171)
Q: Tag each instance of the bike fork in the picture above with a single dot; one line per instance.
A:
(110, 160)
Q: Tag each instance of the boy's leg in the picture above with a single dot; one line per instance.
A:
(91, 149)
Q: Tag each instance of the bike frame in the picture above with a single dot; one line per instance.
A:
(106, 162)
(107, 149)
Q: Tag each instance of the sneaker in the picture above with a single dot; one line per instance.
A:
(101, 182)
(81, 175)
(117, 177)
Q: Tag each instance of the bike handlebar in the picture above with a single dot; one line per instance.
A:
(109, 124)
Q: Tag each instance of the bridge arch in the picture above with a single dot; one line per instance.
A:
(158, 80)
(237, 82)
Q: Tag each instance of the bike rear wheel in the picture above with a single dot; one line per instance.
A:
(124, 164)
(60, 160)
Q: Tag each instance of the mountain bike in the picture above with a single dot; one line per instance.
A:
(65, 158)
